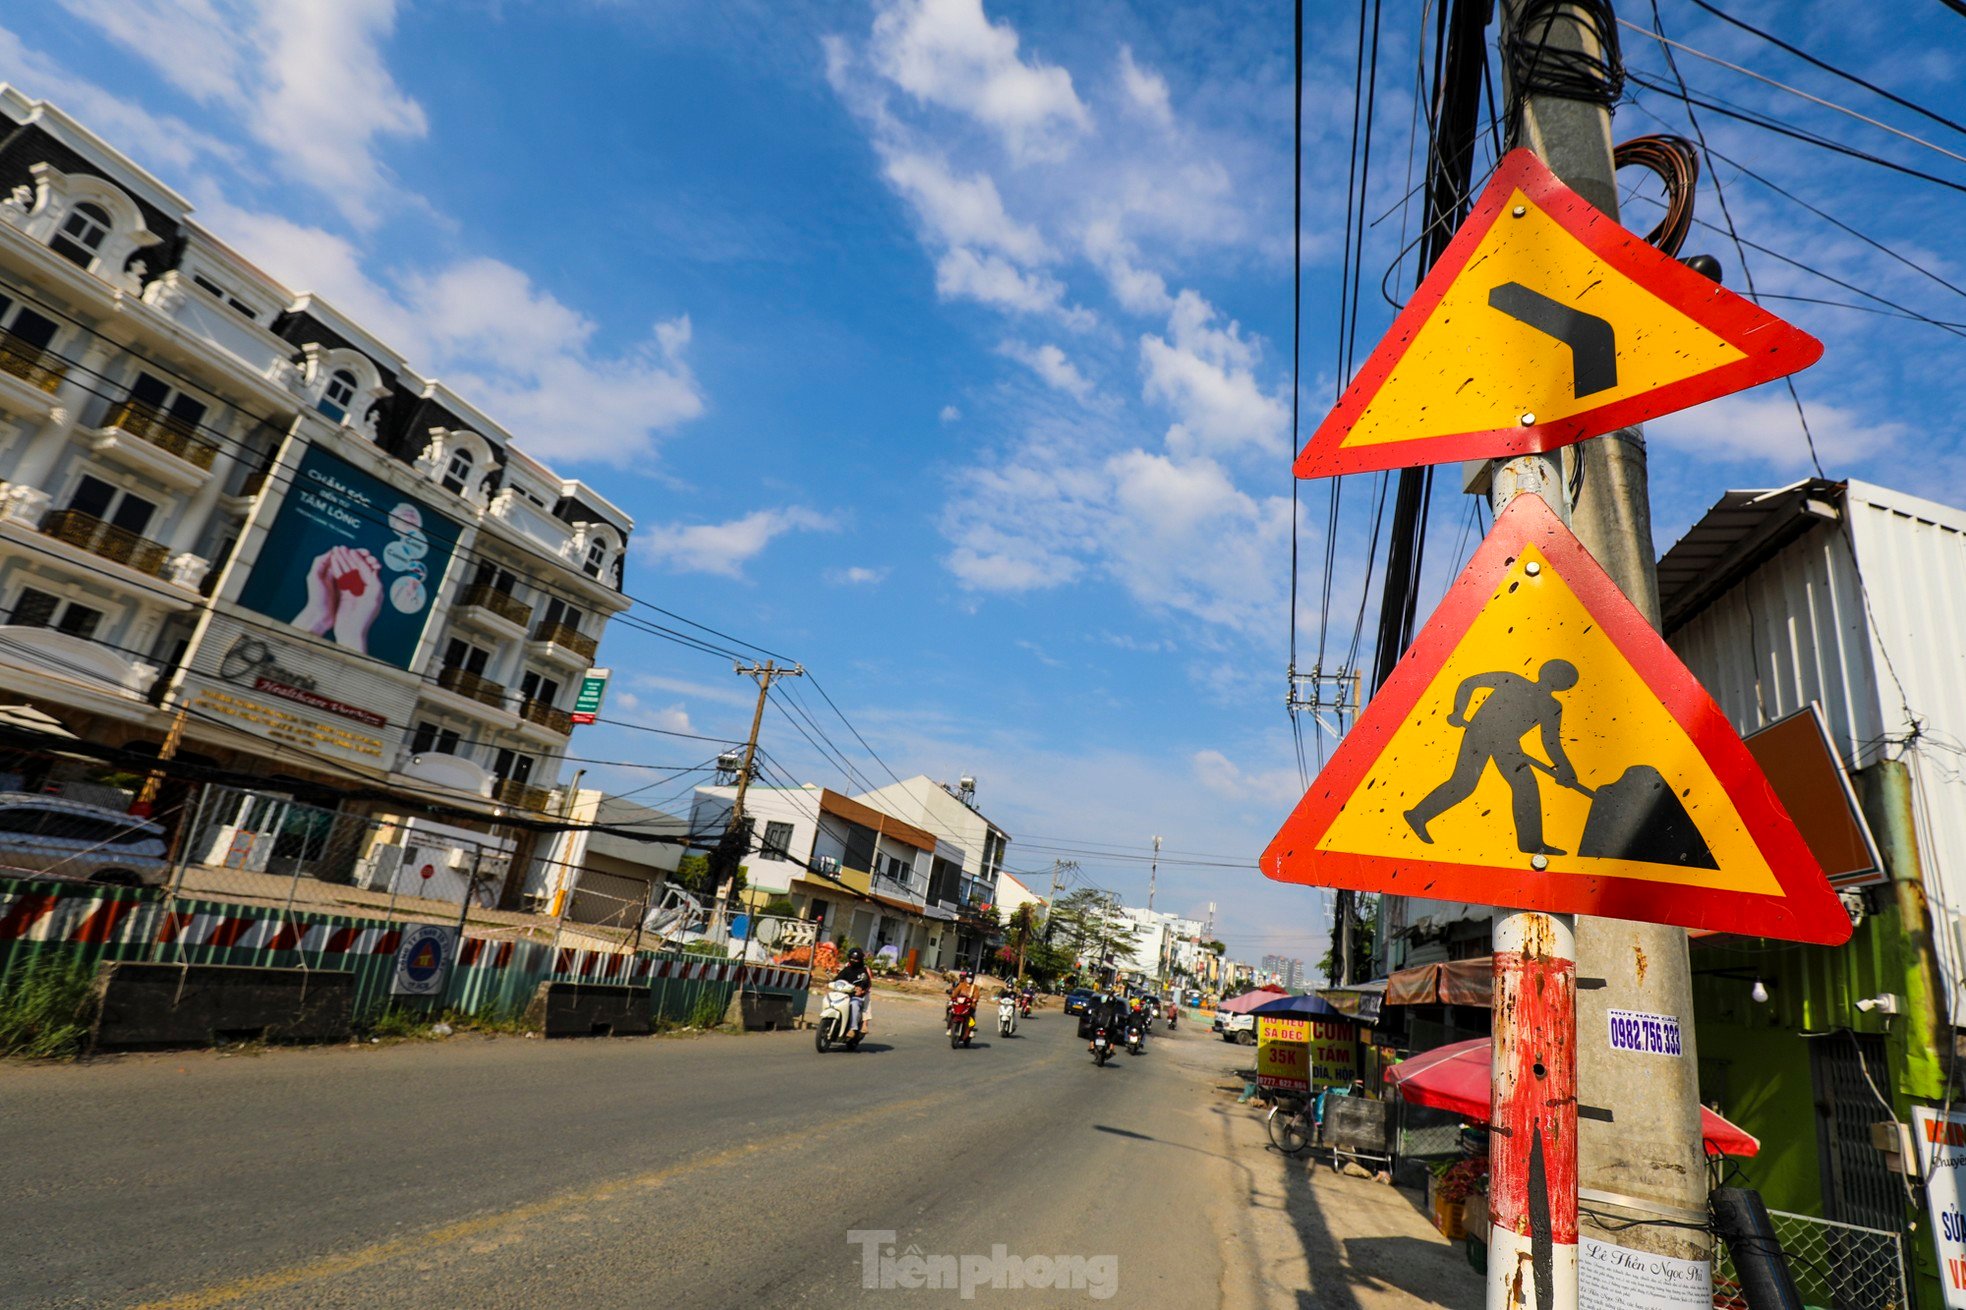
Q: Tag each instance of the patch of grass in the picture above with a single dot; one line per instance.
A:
(708, 1011)
(398, 1022)
(44, 1010)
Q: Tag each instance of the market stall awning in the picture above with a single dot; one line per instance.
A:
(1360, 1001)
(1454, 982)
(1456, 1079)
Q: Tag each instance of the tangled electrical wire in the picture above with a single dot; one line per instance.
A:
(1537, 68)
(1677, 164)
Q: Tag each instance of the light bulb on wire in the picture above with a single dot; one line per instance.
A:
(1759, 992)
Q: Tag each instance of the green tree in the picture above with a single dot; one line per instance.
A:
(1083, 923)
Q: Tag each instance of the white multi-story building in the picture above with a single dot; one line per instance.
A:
(227, 508)
(969, 872)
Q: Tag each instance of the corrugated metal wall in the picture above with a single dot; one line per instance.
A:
(1798, 629)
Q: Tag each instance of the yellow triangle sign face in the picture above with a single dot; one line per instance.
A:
(1545, 322)
(1540, 747)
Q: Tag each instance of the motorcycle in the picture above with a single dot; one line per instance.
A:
(962, 1021)
(1173, 1014)
(1007, 1015)
(1024, 1003)
(1102, 1046)
(1134, 1043)
(835, 1014)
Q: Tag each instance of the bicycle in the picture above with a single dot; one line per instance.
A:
(1289, 1122)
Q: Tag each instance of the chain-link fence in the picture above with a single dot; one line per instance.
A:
(1833, 1264)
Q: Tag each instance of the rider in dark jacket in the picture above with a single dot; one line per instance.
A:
(855, 971)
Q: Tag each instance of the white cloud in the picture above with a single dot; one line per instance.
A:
(515, 350)
(963, 274)
(1760, 426)
(1277, 789)
(725, 548)
(950, 414)
(1206, 376)
(1146, 89)
(948, 53)
(856, 576)
(308, 81)
(962, 211)
(1051, 365)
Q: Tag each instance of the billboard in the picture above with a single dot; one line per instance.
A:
(1283, 1053)
(351, 560)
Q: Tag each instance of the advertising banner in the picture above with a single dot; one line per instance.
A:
(352, 560)
(1334, 1052)
(1941, 1138)
(1283, 1053)
(423, 960)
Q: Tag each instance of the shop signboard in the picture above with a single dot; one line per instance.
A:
(1283, 1054)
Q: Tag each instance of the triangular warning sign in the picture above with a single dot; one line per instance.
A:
(1543, 323)
(1541, 747)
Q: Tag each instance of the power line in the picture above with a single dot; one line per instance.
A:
(1830, 68)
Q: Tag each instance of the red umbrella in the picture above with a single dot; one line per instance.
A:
(1456, 1079)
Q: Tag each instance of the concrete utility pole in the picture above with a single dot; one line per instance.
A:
(1643, 1160)
(764, 675)
(1153, 876)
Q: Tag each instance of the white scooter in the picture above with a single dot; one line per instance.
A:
(1007, 1015)
(835, 1014)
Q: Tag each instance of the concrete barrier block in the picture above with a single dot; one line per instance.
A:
(766, 1010)
(571, 1009)
(146, 1004)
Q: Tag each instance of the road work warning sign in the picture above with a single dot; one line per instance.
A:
(1541, 747)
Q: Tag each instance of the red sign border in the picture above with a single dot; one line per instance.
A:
(1779, 347)
(1806, 911)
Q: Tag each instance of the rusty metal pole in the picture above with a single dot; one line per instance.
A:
(1532, 1116)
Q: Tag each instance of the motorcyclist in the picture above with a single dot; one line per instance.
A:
(855, 971)
(964, 985)
(1109, 1012)
(1027, 997)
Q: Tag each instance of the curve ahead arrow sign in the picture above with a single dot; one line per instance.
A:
(1593, 342)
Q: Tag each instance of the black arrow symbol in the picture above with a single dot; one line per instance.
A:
(1593, 344)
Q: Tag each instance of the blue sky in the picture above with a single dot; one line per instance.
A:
(946, 349)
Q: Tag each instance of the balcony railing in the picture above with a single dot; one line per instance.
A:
(562, 634)
(167, 432)
(521, 795)
(30, 364)
(476, 686)
(543, 714)
(502, 603)
(90, 533)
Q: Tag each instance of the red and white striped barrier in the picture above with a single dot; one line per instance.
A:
(51, 917)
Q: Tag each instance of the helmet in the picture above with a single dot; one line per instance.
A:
(856, 955)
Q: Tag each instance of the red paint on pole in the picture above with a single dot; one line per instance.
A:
(1535, 1089)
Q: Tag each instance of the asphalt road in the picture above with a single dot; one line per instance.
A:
(712, 1171)
(698, 1171)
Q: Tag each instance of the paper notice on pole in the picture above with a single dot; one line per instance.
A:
(1618, 1278)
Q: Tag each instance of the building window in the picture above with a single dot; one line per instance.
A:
(490, 575)
(224, 297)
(778, 841)
(539, 687)
(38, 609)
(100, 500)
(153, 396)
(512, 766)
(463, 655)
(457, 473)
(559, 612)
(82, 234)
(429, 738)
(30, 332)
(337, 395)
(597, 556)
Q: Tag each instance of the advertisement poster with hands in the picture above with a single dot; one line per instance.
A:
(351, 560)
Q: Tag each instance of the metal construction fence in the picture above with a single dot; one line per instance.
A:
(77, 926)
(1834, 1265)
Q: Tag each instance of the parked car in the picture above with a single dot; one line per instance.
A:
(1077, 1000)
(46, 836)
(1237, 1028)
